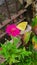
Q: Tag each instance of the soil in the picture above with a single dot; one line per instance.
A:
(2, 59)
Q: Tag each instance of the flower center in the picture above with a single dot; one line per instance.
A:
(12, 30)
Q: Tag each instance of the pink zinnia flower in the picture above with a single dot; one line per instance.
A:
(12, 30)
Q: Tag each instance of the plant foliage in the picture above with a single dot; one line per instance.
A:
(34, 21)
(13, 55)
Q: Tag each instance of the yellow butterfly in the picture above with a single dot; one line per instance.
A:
(22, 26)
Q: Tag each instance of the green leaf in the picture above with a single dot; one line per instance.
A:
(34, 39)
(34, 21)
(27, 37)
(16, 40)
